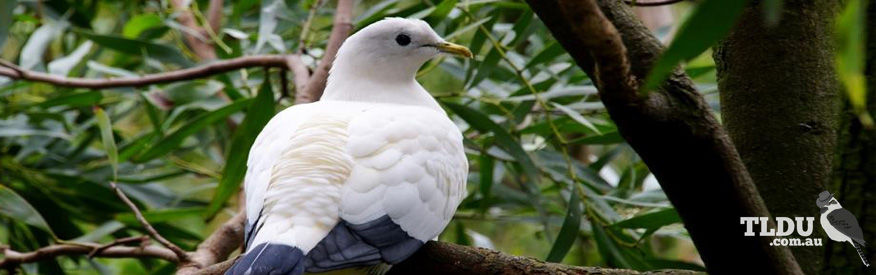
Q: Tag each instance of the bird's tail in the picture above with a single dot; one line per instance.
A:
(267, 258)
(860, 249)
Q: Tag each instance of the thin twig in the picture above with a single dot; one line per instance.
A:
(180, 254)
(143, 240)
(636, 3)
(213, 68)
(12, 258)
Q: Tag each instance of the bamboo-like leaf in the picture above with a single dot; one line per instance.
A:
(655, 219)
(710, 21)
(172, 141)
(109, 142)
(568, 232)
(257, 116)
(136, 47)
(15, 207)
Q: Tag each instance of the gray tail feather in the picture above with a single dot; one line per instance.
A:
(860, 249)
(274, 259)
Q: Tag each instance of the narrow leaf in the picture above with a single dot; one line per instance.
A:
(172, 141)
(568, 232)
(710, 21)
(109, 143)
(15, 207)
(257, 116)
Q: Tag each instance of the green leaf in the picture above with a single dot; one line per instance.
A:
(189, 91)
(100, 232)
(441, 11)
(15, 207)
(577, 117)
(163, 215)
(140, 23)
(608, 138)
(38, 42)
(547, 54)
(89, 98)
(257, 116)
(109, 143)
(62, 66)
(136, 47)
(850, 31)
(172, 141)
(6, 8)
(568, 232)
(483, 123)
(654, 219)
(710, 21)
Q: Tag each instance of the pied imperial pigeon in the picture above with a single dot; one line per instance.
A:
(364, 176)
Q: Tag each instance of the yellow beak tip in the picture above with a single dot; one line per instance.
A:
(455, 49)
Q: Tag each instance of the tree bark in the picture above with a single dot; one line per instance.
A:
(854, 178)
(778, 102)
(676, 135)
(447, 258)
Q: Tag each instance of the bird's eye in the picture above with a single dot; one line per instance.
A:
(403, 39)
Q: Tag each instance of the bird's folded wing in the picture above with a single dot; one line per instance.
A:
(295, 171)
(409, 165)
(846, 223)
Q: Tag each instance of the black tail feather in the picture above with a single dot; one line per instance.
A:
(860, 249)
(271, 259)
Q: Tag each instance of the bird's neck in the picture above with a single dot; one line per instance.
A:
(345, 84)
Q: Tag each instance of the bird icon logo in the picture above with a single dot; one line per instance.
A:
(840, 224)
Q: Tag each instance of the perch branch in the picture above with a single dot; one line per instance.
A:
(180, 254)
(217, 246)
(341, 28)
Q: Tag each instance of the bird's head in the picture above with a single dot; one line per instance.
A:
(826, 201)
(392, 48)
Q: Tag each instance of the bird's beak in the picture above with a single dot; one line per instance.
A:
(454, 49)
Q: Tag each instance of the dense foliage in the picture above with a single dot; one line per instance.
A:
(551, 178)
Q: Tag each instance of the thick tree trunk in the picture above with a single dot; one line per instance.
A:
(676, 135)
(855, 173)
(779, 105)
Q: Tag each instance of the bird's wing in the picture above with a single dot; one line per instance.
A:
(409, 168)
(294, 172)
(846, 223)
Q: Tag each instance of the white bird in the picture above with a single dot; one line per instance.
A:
(364, 176)
(840, 224)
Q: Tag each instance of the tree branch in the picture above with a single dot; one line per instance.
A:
(217, 246)
(180, 254)
(12, 258)
(213, 68)
(673, 130)
(651, 3)
(214, 15)
(341, 29)
(201, 48)
(447, 258)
